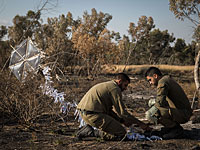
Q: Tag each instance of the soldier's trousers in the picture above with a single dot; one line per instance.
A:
(111, 128)
(170, 117)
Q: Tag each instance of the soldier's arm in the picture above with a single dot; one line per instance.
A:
(162, 91)
(114, 115)
(128, 119)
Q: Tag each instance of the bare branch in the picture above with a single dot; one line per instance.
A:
(189, 18)
(47, 5)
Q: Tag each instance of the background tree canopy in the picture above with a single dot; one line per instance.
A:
(83, 45)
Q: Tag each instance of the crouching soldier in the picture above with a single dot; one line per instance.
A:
(171, 107)
(102, 108)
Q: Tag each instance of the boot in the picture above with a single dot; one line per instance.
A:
(85, 131)
(101, 135)
(98, 133)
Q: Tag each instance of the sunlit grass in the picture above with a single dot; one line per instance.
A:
(138, 69)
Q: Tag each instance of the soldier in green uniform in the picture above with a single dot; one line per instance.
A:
(171, 107)
(102, 108)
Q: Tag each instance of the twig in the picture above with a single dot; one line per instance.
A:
(54, 64)
(5, 64)
(58, 114)
(118, 142)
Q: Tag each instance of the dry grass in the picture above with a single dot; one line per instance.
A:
(139, 69)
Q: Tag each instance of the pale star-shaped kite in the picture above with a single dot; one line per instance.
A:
(25, 58)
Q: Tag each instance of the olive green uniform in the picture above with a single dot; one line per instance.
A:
(172, 102)
(104, 100)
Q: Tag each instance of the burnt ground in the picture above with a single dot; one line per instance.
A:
(53, 134)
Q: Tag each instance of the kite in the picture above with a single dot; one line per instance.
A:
(24, 59)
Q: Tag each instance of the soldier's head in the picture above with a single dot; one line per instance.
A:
(153, 75)
(122, 80)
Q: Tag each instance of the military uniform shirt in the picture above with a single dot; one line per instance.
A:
(170, 93)
(102, 98)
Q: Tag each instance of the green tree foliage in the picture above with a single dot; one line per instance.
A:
(54, 39)
(151, 46)
(24, 27)
(158, 46)
(187, 9)
(154, 48)
(182, 53)
(3, 32)
(138, 34)
(4, 47)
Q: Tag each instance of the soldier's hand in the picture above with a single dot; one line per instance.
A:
(145, 127)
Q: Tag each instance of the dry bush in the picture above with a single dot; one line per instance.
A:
(23, 102)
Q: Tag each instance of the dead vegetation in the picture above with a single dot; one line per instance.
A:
(31, 120)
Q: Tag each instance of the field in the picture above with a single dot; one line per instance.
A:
(57, 133)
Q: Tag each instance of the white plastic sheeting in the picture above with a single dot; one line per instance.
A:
(25, 58)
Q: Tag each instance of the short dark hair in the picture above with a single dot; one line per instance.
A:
(122, 76)
(153, 70)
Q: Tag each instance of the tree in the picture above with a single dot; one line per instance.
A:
(55, 40)
(4, 47)
(197, 34)
(3, 32)
(138, 34)
(182, 54)
(93, 41)
(144, 26)
(124, 46)
(158, 46)
(187, 9)
(150, 46)
(24, 27)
